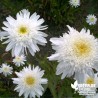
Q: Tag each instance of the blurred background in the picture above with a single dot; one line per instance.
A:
(57, 14)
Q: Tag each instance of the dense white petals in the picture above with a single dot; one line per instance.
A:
(74, 3)
(29, 82)
(6, 69)
(76, 52)
(91, 19)
(19, 60)
(23, 33)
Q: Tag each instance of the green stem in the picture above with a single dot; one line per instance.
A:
(53, 91)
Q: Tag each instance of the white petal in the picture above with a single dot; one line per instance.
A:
(18, 49)
(2, 33)
(10, 46)
(53, 57)
(56, 41)
(79, 76)
(44, 81)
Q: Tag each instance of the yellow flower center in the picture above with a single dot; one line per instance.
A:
(5, 69)
(90, 80)
(23, 30)
(75, 0)
(82, 48)
(92, 19)
(30, 80)
(18, 59)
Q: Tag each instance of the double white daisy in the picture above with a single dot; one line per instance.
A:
(91, 19)
(29, 82)
(76, 52)
(23, 33)
(6, 69)
(19, 60)
(74, 3)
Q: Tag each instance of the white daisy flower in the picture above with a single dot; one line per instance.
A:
(29, 82)
(92, 96)
(19, 60)
(6, 69)
(76, 53)
(23, 33)
(74, 3)
(90, 80)
(91, 19)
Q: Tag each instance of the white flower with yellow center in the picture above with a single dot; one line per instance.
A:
(74, 3)
(19, 60)
(91, 80)
(76, 52)
(29, 82)
(91, 19)
(23, 33)
(6, 69)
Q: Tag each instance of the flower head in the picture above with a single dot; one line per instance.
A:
(6, 69)
(23, 33)
(74, 3)
(19, 60)
(91, 19)
(76, 52)
(90, 80)
(29, 82)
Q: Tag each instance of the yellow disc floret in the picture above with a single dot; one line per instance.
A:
(90, 80)
(30, 80)
(5, 69)
(82, 48)
(23, 30)
(92, 19)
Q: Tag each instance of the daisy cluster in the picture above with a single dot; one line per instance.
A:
(23, 35)
(76, 52)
